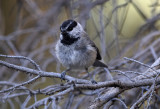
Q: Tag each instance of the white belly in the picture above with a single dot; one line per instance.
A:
(75, 59)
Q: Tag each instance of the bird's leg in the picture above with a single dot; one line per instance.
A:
(90, 76)
(64, 73)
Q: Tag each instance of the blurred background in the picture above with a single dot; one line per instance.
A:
(120, 28)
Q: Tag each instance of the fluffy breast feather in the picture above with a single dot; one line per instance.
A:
(77, 55)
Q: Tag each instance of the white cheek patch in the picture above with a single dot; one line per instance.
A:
(76, 32)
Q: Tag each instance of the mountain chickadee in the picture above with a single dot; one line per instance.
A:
(75, 50)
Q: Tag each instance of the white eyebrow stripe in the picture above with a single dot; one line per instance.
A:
(69, 25)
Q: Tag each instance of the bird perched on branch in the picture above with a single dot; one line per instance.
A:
(75, 50)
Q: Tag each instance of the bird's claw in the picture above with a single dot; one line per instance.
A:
(63, 75)
(93, 81)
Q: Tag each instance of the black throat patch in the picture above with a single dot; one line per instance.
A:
(67, 40)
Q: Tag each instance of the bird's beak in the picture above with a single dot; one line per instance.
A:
(63, 32)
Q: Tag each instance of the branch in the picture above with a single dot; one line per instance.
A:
(50, 98)
(22, 57)
(143, 98)
(115, 91)
(42, 73)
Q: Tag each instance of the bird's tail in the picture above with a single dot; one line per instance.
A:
(98, 63)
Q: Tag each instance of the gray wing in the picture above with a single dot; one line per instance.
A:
(97, 62)
(93, 45)
(98, 54)
(86, 41)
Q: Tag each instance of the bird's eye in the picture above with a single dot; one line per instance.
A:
(69, 29)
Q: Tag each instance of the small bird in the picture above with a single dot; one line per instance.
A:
(75, 50)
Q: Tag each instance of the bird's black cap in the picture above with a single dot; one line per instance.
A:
(68, 25)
